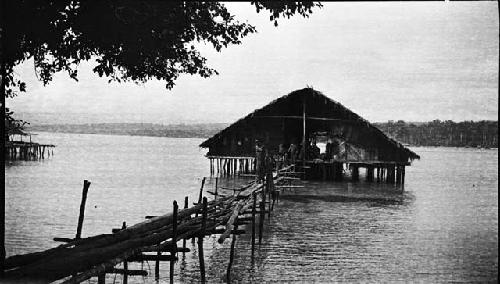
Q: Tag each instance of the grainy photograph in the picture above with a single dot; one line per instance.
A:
(249, 142)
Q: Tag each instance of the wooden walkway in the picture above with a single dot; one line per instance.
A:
(82, 258)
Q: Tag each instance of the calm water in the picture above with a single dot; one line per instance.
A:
(444, 230)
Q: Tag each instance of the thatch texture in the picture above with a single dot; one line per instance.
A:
(281, 122)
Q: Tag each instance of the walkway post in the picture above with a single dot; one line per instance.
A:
(86, 185)
(304, 136)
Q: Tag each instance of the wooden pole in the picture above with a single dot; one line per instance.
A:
(231, 253)
(261, 218)
(173, 252)
(125, 264)
(186, 204)
(398, 174)
(216, 186)
(369, 173)
(201, 190)
(101, 278)
(200, 240)
(157, 263)
(199, 200)
(304, 135)
(403, 176)
(355, 173)
(253, 220)
(86, 185)
(3, 71)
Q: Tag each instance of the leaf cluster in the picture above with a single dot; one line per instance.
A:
(130, 40)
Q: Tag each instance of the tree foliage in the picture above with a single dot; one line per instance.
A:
(444, 133)
(130, 40)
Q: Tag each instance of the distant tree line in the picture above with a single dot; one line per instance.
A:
(434, 133)
(201, 130)
(444, 133)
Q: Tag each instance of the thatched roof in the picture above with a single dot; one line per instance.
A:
(16, 131)
(320, 109)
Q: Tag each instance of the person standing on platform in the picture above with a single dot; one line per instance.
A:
(314, 151)
(292, 153)
(332, 148)
(281, 157)
(260, 155)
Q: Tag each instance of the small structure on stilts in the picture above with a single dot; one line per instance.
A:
(301, 122)
(17, 149)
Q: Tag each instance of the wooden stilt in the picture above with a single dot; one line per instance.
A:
(125, 263)
(261, 219)
(369, 173)
(200, 241)
(355, 173)
(390, 174)
(403, 175)
(101, 278)
(231, 253)
(173, 252)
(199, 199)
(398, 174)
(201, 190)
(157, 264)
(86, 185)
(186, 204)
(269, 184)
(253, 220)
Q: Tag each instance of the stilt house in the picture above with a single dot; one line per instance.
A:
(299, 117)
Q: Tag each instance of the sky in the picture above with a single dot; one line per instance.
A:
(413, 61)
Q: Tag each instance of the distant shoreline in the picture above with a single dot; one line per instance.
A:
(135, 129)
(481, 134)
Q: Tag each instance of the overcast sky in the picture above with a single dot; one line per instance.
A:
(411, 61)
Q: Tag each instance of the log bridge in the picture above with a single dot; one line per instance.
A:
(79, 259)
